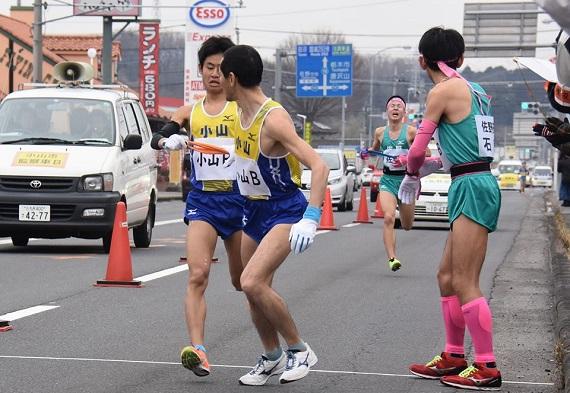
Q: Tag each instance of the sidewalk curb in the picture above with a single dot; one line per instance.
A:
(560, 265)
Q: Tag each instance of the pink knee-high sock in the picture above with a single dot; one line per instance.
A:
(454, 324)
(479, 322)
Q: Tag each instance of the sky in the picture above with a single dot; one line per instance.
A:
(371, 26)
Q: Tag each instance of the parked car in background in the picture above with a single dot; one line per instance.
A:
(432, 204)
(541, 176)
(340, 181)
(68, 155)
(509, 174)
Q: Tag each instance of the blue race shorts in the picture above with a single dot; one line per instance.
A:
(222, 210)
(261, 215)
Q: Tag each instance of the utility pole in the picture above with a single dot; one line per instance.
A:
(37, 52)
(343, 126)
(107, 63)
(278, 74)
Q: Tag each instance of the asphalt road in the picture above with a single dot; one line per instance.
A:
(365, 323)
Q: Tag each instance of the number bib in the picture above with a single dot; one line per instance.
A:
(389, 162)
(486, 135)
(249, 178)
(212, 166)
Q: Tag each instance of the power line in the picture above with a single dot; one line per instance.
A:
(328, 34)
(306, 11)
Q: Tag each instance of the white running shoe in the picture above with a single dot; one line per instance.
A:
(298, 365)
(263, 370)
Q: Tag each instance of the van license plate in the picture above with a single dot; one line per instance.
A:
(436, 207)
(34, 213)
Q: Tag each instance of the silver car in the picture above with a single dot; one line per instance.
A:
(340, 181)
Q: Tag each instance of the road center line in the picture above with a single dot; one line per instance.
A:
(342, 372)
(26, 312)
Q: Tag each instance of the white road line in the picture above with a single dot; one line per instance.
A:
(26, 312)
(351, 225)
(162, 273)
(343, 372)
(161, 223)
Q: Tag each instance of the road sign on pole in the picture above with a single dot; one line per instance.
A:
(324, 70)
(503, 29)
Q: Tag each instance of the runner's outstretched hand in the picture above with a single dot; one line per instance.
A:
(303, 233)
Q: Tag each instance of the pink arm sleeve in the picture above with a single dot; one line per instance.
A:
(417, 153)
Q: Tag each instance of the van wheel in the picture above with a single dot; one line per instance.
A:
(107, 242)
(142, 235)
(20, 241)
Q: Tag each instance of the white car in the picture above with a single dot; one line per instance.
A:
(68, 155)
(432, 203)
(340, 181)
(541, 176)
(366, 176)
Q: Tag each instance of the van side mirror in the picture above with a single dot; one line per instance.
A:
(351, 169)
(132, 142)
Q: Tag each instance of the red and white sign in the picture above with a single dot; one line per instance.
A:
(149, 42)
(107, 7)
(205, 18)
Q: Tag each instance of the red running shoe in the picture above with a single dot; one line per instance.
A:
(479, 376)
(439, 366)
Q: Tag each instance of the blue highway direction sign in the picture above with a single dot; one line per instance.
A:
(324, 70)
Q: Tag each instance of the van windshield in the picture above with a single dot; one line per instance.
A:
(57, 121)
(509, 168)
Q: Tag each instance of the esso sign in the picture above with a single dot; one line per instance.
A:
(209, 13)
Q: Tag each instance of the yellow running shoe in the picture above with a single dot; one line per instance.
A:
(195, 360)
(394, 264)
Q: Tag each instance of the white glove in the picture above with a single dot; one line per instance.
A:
(302, 235)
(175, 142)
(409, 189)
(431, 165)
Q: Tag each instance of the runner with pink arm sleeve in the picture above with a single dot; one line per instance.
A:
(460, 111)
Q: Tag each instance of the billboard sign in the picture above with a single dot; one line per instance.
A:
(149, 41)
(107, 7)
(205, 18)
(493, 29)
(324, 70)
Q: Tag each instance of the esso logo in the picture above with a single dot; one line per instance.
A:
(209, 13)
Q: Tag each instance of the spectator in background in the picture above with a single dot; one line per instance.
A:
(523, 175)
(564, 169)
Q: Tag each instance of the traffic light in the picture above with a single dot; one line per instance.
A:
(532, 107)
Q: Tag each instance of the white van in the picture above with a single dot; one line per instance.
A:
(67, 155)
(541, 176)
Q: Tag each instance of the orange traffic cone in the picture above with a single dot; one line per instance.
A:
(5, 326)
(378, 212)
(119, 265)
(362, 216)
(327, 218)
